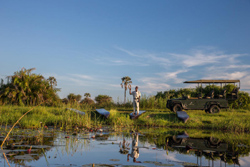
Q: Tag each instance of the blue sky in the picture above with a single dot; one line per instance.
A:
(90, 45)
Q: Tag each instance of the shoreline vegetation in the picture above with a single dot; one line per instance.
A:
(24, 90)
(60, 117)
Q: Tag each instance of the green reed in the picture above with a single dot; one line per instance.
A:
(229, 120)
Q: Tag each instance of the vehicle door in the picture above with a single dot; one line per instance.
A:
(190, 104)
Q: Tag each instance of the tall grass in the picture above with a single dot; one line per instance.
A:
(230, 120)
(42, 116)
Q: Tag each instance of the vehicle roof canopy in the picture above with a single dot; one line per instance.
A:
(213, 81)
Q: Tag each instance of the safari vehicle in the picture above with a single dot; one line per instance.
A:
(209, 103)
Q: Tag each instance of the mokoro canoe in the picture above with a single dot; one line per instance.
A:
(136, 116)
(103, 112)
(76, 111)
(182, 115)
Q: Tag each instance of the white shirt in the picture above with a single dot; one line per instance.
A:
(136, 95)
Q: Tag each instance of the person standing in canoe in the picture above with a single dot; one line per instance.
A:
(136, 99)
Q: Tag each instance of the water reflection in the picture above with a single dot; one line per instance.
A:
(210, 147)
(25, 146)
(157, 147)
(134, 148)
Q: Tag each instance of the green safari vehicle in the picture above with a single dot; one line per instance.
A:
(208, 103)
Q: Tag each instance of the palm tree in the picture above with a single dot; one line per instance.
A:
(26, 88)
(52, 81)
(126, 83)
(87, 95)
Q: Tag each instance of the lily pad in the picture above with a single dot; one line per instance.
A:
(103, 143)
(132, 165)
(114, 160)
(100, 165)
(24, 157)
(5, 151)
(40, 146)
(189, 164)
(158, 163)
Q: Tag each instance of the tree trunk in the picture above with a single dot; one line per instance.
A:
(125, 95)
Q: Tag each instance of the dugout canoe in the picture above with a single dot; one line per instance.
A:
(182, 115)
(76, 111)
(103, 112)
(136, 116)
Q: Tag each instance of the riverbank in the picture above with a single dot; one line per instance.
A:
(226, 120)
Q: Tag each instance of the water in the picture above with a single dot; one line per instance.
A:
(147, 147)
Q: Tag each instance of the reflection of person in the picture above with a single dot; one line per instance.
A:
(136, 99)
(135, 149)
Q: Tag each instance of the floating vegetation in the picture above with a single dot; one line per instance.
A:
(157, 163)
(100, 165)
(132, 165)
(114, 160)
(24, 157)
(189, 164)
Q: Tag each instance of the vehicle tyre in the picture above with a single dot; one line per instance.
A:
(214, 109)
(177, 107)
(176, 140)
(207, 110)
(214, 141)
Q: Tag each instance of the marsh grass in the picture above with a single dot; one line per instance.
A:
(42, 116)
(228, 120)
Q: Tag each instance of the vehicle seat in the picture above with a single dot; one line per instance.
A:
(223, 93)
(211, 95)
(235, 91)
(200, 96)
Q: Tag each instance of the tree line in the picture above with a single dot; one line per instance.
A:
(27, 88)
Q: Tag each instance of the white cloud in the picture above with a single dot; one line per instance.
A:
(110, 61)
(152, 87)
(118, 61)
(158, 59)
(147, 57)
(233, 66)
(205, 57)
(162, 82)
(224, 75)
(128, 52)
(81, 76)
(173, 76)
(164, 70)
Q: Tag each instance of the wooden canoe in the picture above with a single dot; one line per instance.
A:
(136, 116)
(103, 112)
(76, 111)
(182, 115)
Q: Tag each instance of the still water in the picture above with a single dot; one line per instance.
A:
(143, 147)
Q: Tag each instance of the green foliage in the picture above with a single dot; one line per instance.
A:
(172, 93)
(126, 83)
(231, 120)
(41, 116)
(103, 101)
(72, 98)
(26, 88)
(88, 101)
(87, 95)
(243, 102)
(152, 102)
